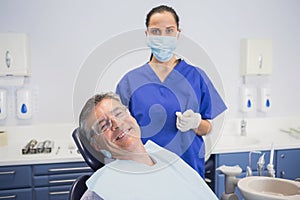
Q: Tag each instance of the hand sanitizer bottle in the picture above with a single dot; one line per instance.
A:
(24, 104)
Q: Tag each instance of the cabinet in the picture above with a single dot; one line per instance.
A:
(53, 181)
(16, 182)
(232, 159)
(41, 181)
(288, 164)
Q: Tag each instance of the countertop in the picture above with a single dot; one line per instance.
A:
(261, 133)
(64, 149)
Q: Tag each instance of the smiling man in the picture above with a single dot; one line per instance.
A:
(137, 171)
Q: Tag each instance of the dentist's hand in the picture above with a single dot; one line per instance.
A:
(188, 120)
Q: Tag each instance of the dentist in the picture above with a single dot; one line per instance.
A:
(170, 97)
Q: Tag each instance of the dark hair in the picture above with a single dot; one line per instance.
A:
(161, 9)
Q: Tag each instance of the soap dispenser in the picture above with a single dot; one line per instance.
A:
(246, 95)
(24, 104)
(264, 99)
(3, 106)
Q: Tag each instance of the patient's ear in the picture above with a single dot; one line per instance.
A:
(95, 146)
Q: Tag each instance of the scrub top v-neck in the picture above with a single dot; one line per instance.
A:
(153, 104)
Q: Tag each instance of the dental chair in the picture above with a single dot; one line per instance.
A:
(91, 157)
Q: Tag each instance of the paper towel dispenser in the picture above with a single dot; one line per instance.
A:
(256, 57)
(14, 54)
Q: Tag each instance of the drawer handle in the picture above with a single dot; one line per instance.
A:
(62, 181)
(9, 197)
(58, 193)
(68, 169)
(8, 172)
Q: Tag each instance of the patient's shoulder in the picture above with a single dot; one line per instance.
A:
(90, 195)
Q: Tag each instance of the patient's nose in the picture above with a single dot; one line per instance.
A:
(114, 124)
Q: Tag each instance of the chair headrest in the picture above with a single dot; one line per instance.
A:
(93, 158)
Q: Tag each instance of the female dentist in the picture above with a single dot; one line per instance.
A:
(172, 98)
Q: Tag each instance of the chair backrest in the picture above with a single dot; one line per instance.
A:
(78, 188)
(93, 158)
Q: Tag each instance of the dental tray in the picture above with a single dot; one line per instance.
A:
(35, 147)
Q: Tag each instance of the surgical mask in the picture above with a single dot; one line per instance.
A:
(162, 47)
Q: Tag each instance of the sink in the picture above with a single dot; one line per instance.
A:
(231, 140)
(267, 188)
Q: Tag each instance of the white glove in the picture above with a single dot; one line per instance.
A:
(188, 120)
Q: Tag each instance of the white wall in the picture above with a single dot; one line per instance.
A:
(63, 33)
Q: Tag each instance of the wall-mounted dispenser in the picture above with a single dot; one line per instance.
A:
(24, 103)
(256, 57)
(264, 99)
(3, 106)
(14, 54)
(246, 95)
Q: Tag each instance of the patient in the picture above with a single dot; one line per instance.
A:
(137, 171)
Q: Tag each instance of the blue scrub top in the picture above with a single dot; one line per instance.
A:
(154, 103)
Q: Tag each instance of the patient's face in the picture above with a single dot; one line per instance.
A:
(117, 130)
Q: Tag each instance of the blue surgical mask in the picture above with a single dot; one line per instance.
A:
(162, 47)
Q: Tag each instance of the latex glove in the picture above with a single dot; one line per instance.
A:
(188, 120)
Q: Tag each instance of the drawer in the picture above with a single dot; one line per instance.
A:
(57, 179)
(61, 168)
(52, 193)
(18, 194)
(15, 177)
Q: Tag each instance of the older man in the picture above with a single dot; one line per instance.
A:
(138, 171)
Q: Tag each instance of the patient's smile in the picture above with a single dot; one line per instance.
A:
(121, 134)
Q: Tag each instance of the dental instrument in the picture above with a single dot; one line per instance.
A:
(270, 166)
(261, 165)
(248, 168)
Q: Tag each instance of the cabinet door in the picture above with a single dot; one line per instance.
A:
(18, 194)
(52, 193)
(57, 179)
(15, 177)
(228, 159)
(61, 168)
(288, 164)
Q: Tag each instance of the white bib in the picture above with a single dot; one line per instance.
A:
(169, 178)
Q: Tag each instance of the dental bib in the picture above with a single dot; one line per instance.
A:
(169, 178)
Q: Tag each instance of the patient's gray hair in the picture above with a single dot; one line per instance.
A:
(89, 109)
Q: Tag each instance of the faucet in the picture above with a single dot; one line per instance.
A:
(261, 165)
(243, 127)
(248, 169)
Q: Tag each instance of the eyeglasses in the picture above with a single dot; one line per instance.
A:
(172, 31)
(104, 124)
